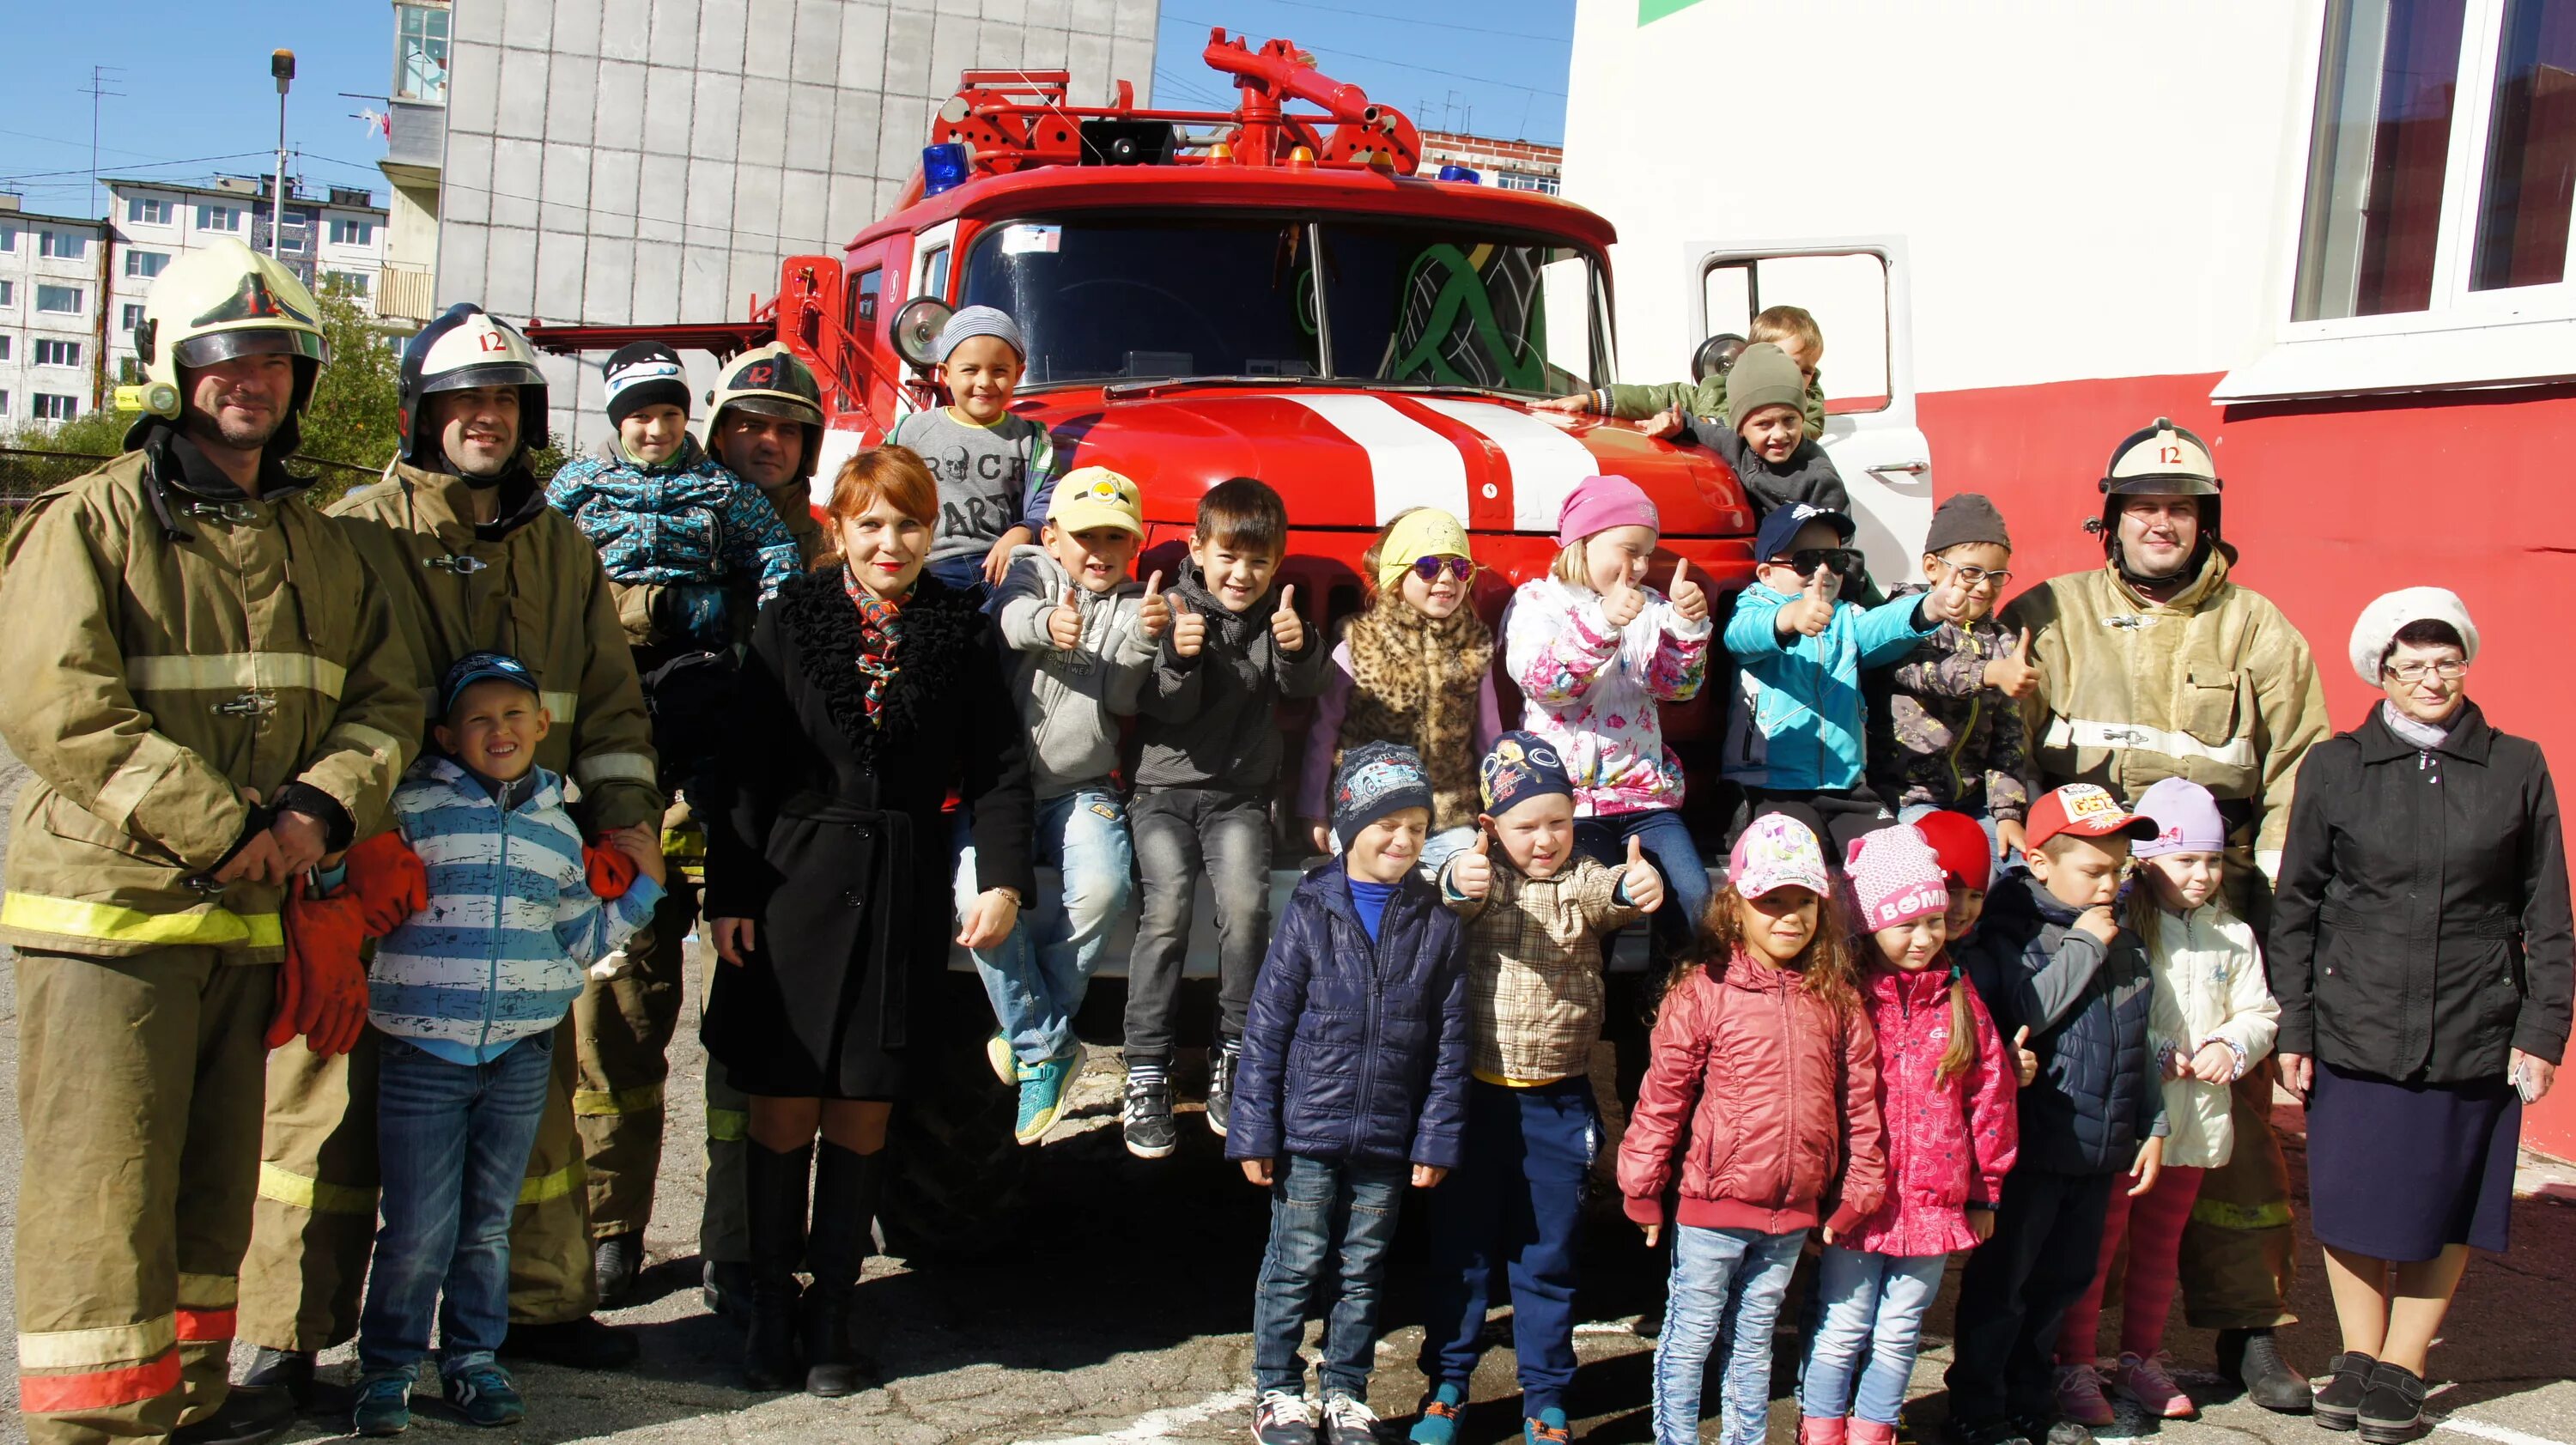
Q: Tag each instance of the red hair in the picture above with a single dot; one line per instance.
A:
(891, 474)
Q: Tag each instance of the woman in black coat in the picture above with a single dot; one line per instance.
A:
(870, 691)
(2422, 954)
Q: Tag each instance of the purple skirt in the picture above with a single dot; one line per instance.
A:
(2400, 1171)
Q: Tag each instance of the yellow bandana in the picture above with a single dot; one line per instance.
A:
(1422, 532)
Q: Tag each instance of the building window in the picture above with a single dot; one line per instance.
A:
(62, 245)
(4, 403)
(146, 264)
(420, 53)
(347, 283)
(8, 237)
(63, 300)
(50, 407)
(57, 353)
(2382, 230)
(352, 233)
(4, 347)
(8, 294)
(147, 211)
(129, 371)
(219, 218)
(131, 317)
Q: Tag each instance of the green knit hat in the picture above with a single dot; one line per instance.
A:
(1763, 376)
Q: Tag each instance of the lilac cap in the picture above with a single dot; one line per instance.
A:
(1777, 852)
(1598, 504)
(2186, 819)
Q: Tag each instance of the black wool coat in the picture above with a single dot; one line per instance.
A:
(2420, 929)
(826, 829)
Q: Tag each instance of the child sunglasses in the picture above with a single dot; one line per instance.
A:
(1843, 560)
(1430, 568)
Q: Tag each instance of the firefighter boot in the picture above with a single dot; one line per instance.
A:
(846, 1189)
(776, 1183)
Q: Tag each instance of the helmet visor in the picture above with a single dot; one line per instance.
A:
(498, 373)
(208, 348)
(783, 408)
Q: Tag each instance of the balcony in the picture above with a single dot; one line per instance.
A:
(403, 293)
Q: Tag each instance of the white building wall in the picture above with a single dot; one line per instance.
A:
(23, 268)
(2086, 191)
(180, 232)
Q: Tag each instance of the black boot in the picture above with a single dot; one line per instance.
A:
(2393, 1411)
(2252, 1358)
(775, 1186)
(2338, 1405)
(246, 1417)
(287, 1370)
(617, 1263)
(846, 1189)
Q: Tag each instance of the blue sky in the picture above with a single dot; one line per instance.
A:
(197, 97)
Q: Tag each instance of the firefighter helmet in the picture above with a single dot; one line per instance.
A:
(216, 303)
(2161, 460)
(465, 348)
(771, 382)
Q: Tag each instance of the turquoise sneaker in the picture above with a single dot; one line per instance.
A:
(485, 1396)
(383, 1406)
(1439, 1422)
(1005, 1064)
(1547, 1427)
(1043, 1092)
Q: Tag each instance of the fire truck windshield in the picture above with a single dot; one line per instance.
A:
(1140, 297)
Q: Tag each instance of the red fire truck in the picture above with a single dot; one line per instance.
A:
(1271, 292)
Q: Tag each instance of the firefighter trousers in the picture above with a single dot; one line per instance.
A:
(724, 1225)
(623, 1027)
(138, 1099)
(2239, 1253)
(315, 1222)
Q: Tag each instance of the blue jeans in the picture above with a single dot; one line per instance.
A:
(1036, 978)
(1513, 1207)
(1669, 847)
(453, 1140)
(1874, 1306)
(1727, 1283)
(1324, 1216)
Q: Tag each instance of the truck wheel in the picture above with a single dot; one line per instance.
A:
(958, 1173)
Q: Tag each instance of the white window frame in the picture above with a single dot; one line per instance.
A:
(4, 403)
(52, 238)
(130, 317)
(232, 214)
(6, 344)
(350, 231)
(2463, 338)
(147, 211)
(8, 295)
(136, 263)
(55, 351)
(80, 300)
(71, 406)
(9, 233)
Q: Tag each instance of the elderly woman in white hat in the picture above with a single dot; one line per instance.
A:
(2422, 953)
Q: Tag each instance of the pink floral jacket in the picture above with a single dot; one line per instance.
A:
(1592, 690)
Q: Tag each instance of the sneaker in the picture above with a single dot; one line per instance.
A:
(1547, 1427)
(1146, 1120)
(1223, 1060)
(1348, 1420)
(2080, 1397)
(383, 1407)
(1043, 1092)
(485, 1396)
(1004, 1064)
(2338, 1405)
(1282, 1417)
(1439, 1422)
(2149, 1380)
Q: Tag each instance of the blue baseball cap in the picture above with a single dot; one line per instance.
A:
(476, 667)
(1781, 527)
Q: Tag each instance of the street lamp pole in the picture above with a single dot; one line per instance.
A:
(281, 64)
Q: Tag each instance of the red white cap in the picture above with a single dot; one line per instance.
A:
(2086, 811)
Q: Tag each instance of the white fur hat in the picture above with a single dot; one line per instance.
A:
(2380, 622)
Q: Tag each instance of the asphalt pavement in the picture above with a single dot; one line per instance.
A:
(1115, 1311)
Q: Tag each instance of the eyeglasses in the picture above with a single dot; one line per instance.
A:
(1430, 568)
(1973, 578)
(1843, 560)
(2448, 671)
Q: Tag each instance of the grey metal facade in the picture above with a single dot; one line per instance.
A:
(622, 161)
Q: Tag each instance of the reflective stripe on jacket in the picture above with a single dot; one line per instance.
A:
(160, 662)
(529, 585)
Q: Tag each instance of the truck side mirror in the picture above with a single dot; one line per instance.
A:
(916, 329)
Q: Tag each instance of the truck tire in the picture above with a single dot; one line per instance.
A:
(959, 1174)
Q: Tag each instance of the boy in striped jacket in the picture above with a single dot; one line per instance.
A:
(465, 995)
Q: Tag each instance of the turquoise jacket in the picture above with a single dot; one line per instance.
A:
(1803, 726)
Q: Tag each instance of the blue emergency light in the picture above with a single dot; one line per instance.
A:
(1454, 172)
(943, 167)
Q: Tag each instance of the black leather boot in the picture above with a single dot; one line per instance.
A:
(2338, 1405)
(846, 1189)
(2252, 1358)
(775, 1185)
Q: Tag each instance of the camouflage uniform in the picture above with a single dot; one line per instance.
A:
(1938, 736)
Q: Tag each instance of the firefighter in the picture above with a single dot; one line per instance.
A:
(211, 694)
(2156, 665)
(482, 563)
(767, 428)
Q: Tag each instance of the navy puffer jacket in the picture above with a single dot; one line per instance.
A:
(1356, 1051)
(2098, 1096)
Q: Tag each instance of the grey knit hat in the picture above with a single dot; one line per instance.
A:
(1376, 779)
(1967, 517)
(976, 321)
(1763, 376)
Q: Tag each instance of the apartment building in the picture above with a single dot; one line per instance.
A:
(49, 317)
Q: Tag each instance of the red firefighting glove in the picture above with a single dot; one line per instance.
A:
(611, 871)
(322, 986)
(388, 881)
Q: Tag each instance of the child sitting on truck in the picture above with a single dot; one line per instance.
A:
(1790, 328)
(1762, 435)
(996, 471)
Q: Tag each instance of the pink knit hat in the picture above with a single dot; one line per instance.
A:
(1598, 504)
(1778, 852)
(1896, 878)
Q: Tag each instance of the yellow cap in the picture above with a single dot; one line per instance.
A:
(1089, 497)
(1422, 532)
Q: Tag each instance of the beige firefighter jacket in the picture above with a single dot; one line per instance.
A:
(531, 586)
(793, 501)
(2215, 686)
(160, 659)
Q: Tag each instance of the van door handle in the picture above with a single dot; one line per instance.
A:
(1911, 469)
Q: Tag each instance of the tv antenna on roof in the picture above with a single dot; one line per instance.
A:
(99, 81)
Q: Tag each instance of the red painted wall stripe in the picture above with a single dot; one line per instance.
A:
(99, 1389)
